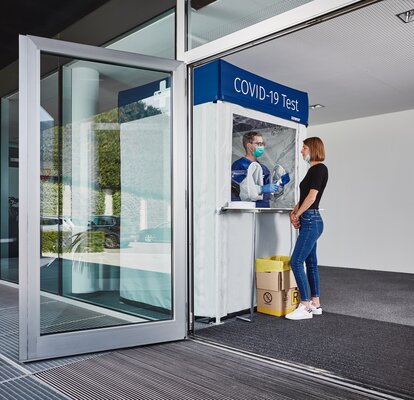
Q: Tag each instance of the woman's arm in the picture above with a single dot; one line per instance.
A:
(309, 200)
(293, 218)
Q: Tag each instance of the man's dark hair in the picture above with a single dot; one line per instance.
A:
(248, 137)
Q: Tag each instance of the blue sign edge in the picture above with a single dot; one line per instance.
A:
(212, 73)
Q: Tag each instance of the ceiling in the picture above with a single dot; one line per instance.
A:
(37, 17)
(356, 65)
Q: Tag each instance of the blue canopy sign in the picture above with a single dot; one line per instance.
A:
(220, 80)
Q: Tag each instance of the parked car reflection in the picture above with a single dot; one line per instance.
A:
(53, 224)
(110, 225)
(117, 234)
(158, 234)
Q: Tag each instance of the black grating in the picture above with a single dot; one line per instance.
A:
(188, 370)
(9, 346)
(9, 297)
(28, 388)
(16, 383)
(8, 372)
(9, 321)
(9, 327)
(39, 366)
(57, 316)
(181, 370)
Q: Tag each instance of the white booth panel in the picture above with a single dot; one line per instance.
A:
(223, 240)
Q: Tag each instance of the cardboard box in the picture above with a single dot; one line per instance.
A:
(276, 286)
(274, 273)
(275, 280)
(277, 303)
(287, 280)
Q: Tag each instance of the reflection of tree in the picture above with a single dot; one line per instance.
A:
(58, 242)
(57, 162)
(137, 110)
(108, 151)
(116, 203)
(49, 149)
(100, 203)
(50, 197)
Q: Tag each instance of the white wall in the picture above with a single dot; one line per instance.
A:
(368, 201)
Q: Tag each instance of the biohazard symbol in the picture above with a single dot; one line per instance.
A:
(267, 297)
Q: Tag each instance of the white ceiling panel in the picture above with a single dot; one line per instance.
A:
(356, 65)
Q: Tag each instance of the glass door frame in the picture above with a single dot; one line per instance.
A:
(33, 346)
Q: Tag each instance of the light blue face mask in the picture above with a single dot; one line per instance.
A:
(258, 151)
(307, 158)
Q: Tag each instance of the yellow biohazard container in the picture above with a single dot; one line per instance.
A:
(274, 263)
(276, 286)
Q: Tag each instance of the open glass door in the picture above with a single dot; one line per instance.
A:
(102, 199)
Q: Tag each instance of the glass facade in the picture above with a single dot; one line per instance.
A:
(209, 20)
(105, 206)
(9, 200)
(156, 38)
(105, 187)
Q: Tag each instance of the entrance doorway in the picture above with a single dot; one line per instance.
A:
(357, 83)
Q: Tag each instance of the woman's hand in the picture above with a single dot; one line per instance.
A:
(294, 220)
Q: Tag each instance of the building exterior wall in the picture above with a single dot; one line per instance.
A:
(367, 203)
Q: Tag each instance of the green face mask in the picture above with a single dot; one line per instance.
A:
(258, 151)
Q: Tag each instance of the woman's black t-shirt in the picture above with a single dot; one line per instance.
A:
(316, 178)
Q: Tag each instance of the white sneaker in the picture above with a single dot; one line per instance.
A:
(315, 310)
(300, 313)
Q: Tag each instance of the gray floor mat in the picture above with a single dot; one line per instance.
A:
(372, 352)
(187, 370)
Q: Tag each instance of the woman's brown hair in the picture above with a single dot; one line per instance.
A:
(316, 148)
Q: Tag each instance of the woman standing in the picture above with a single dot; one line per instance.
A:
(306, 217)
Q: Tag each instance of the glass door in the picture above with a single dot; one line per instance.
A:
(102, 152)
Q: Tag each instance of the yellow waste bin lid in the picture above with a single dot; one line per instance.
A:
(274, 263)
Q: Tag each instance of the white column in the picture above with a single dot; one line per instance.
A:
(143, 208)
(85, 93)
(109, 202)
(67, 200)
(84, 105)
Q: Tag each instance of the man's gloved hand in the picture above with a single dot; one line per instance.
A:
(285, 179)
(269, 188)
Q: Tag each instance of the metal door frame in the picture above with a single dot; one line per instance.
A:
(32, 345)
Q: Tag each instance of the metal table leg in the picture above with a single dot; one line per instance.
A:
(253, 278)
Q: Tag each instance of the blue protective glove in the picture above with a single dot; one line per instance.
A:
(285, 179)
(269, 188)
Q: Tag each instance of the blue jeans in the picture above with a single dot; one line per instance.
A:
(311, 228)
